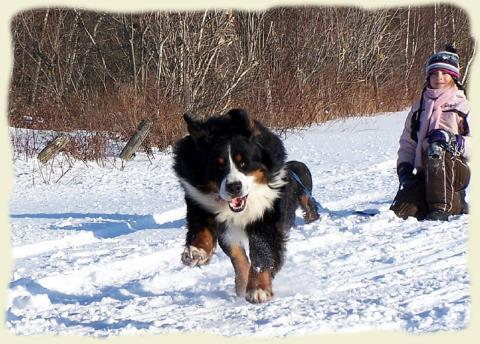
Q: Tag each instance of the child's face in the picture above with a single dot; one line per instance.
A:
(440, 79)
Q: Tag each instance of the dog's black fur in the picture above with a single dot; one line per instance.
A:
(240, 191)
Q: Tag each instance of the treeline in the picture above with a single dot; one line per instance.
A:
(103, 72)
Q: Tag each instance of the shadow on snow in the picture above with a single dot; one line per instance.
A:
(105, 225)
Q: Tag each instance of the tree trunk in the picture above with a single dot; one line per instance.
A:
(33, 95)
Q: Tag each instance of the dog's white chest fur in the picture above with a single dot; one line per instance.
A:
(235, 235)
(261, 198)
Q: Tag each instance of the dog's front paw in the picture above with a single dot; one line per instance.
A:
(258, 295)
(194, 256)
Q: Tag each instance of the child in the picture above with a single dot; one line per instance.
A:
(436, 143)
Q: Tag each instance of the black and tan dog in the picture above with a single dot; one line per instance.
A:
(241, 193)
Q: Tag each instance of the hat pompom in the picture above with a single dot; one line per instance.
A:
(450, 48)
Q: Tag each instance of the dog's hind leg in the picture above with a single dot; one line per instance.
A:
(201, 236)
(309, 208)
(302, 183)
(240, 263)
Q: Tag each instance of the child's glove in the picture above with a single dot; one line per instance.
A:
(405, 175)
(450, 142)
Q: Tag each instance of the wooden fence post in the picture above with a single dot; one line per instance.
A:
(53, 148)
(136, 139)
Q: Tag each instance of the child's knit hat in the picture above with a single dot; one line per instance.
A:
(446, 61)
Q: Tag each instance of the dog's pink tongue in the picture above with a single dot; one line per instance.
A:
(237, 202)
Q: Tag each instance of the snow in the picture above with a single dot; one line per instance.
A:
(98, 252)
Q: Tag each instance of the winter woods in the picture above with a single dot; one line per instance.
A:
(104, 72)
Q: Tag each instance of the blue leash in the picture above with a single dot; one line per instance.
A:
(309, 194)
(318, 205)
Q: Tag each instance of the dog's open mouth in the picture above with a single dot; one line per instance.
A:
(238, 204)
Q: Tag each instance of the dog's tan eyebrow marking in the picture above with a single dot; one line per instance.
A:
(238, 157)
(259, 176)
(221, 161)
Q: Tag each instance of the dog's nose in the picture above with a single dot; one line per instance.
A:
(234, 188)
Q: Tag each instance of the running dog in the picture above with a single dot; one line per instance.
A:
(240, 193)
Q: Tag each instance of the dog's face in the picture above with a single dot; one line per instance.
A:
(233, 163)
(235, 169)
(231, 166)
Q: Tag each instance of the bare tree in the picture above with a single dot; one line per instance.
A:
(290, 66)
(39, 57)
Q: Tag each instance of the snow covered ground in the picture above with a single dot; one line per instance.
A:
(98, 253)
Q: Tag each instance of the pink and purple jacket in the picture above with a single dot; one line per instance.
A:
(446, 109)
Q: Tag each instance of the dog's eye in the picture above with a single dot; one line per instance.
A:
(239, 160)
(221, 162)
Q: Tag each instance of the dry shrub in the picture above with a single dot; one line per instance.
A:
(102, 73)
(92, 146)
(103, 119)
(112, 117)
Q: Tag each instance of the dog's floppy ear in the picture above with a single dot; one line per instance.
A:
(194, 127)
(241, 118)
